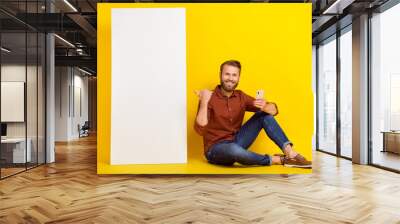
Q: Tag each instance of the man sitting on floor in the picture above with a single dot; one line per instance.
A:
(219, 120)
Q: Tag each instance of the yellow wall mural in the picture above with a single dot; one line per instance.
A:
(273, 44)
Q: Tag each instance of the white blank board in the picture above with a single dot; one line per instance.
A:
(12, 101)
(148, 90)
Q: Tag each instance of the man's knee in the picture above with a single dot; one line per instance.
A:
(267, 118)
(262, 116)
(235, 149)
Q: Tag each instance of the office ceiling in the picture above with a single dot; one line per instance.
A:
(77, 22)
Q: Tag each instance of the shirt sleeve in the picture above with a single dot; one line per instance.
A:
(248, 101)
(198, 128)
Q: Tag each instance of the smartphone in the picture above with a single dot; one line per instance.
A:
(260, 94)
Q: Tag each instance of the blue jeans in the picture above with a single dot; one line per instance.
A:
(227, 152)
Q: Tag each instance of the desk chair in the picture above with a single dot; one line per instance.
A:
(84, 130)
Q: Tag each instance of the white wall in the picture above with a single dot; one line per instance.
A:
(148, 99)
(12, 73)
(81, 84)
(12, 101)
(67, 117)
(62, 81)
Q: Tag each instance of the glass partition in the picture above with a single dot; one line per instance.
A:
(22, 63)
(385, 89)
(14, 153)
(41, 91)
(327, 95)
(346, 93)
(32, 95)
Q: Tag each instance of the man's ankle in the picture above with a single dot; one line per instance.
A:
(276, 160)
(290, 153)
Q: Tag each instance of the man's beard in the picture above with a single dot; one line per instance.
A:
(228, 88)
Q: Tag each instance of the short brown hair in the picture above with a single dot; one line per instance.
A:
(234, 63)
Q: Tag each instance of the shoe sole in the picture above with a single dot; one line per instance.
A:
(298, 166)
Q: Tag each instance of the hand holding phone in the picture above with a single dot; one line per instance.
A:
(260, 94)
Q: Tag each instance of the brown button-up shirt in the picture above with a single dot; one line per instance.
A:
(225, 116)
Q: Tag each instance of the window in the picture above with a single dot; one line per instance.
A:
(385, 88)
(346, 93)
(327, 95)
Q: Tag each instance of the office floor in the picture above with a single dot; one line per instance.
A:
(8, 171)
(386, 159)
(70, 191)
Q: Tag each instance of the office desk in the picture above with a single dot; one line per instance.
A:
(15, 148)
(391, 141)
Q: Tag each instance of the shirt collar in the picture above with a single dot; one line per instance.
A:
(220, 94)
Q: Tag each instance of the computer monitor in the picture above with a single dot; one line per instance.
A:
(3, 129)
